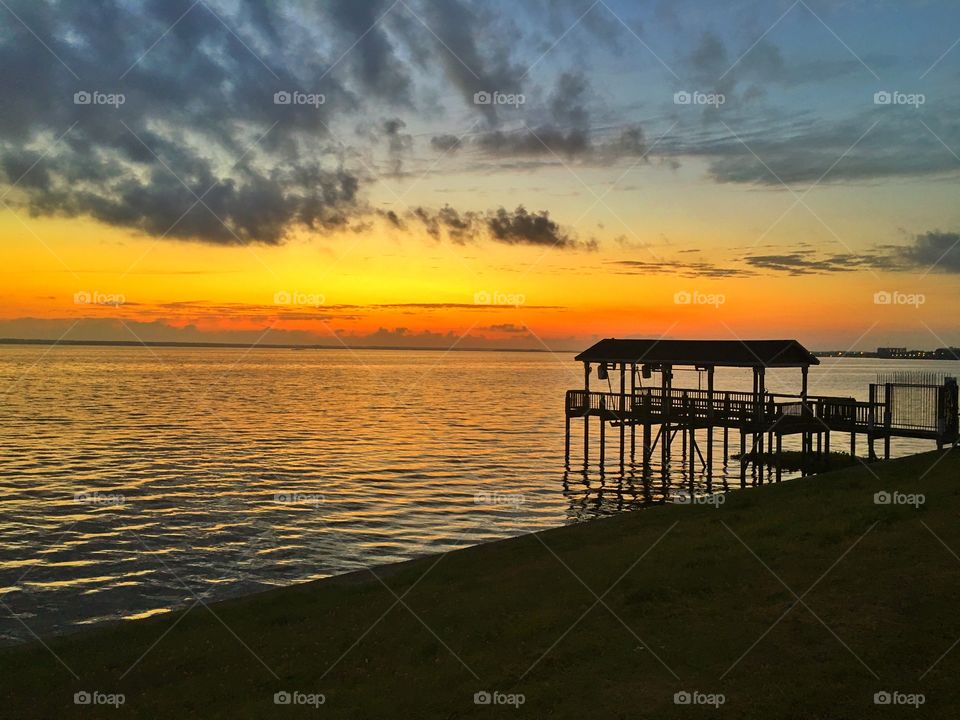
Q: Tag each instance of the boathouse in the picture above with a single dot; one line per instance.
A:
(644, 372)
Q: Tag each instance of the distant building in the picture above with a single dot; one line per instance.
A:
(950, 353)
(893, 352)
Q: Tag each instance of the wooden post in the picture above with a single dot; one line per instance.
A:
(623, 410)
(647, 452)
(693, 454)
(586, 417)
(871, 422)
(710, 418)
(743, 458)
(566, 448)
(603, 432)
(779, 451)
(761, 391)
(887, 420)
(666, 383)
(633, 412)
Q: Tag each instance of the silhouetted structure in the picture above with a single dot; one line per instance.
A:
(896, 408)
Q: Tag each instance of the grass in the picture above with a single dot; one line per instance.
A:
(691, 598)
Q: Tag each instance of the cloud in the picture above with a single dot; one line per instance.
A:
(524, 228)
(935, 251)
(517, 227)
(928, 252)
(678, 267)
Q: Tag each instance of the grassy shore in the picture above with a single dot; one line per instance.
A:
(797, 600)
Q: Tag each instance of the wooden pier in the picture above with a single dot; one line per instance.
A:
(648, 399)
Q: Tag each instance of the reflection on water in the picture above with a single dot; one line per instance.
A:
(134, 481)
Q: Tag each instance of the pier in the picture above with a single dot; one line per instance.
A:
(644, 370)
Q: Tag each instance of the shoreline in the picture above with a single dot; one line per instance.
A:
(387, 639)
(350, 577)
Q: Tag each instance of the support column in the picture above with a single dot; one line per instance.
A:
(603, 432)
(586, 417)
(623, 410)
(743, 458)
(647, 450)
(666, 384)
(710, 419)
(779, 457)
(633, 412)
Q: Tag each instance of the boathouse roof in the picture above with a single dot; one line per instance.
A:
(703, 353)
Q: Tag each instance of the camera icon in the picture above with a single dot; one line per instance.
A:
(282, 98)
(683, 498)
(282, 297)
(682, 98)
(82, 298)
(482, 698)
(882, 98)
(682, 698)
(82, 698)
(682, 298)
(882, 498)
(282, 698)
(482, 98)
(82, 98)
(482, 298)
(882, 698)
(882, 298)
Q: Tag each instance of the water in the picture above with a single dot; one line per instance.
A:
(133, 480)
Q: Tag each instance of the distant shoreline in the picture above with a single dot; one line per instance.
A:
(265, 346)
(849, 355)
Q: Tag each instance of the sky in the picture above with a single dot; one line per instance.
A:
(454, 173)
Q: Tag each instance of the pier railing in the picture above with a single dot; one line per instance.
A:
(727, 408)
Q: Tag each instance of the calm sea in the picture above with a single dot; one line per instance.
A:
(135, 480)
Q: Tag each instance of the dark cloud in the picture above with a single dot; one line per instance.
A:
(524, 228)
(935, 251)
(811, 264)
(519, 227)
(446, 143)
(507, 328)
(676, 267)
(399, 144)
(187, 154)
(929, 252)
